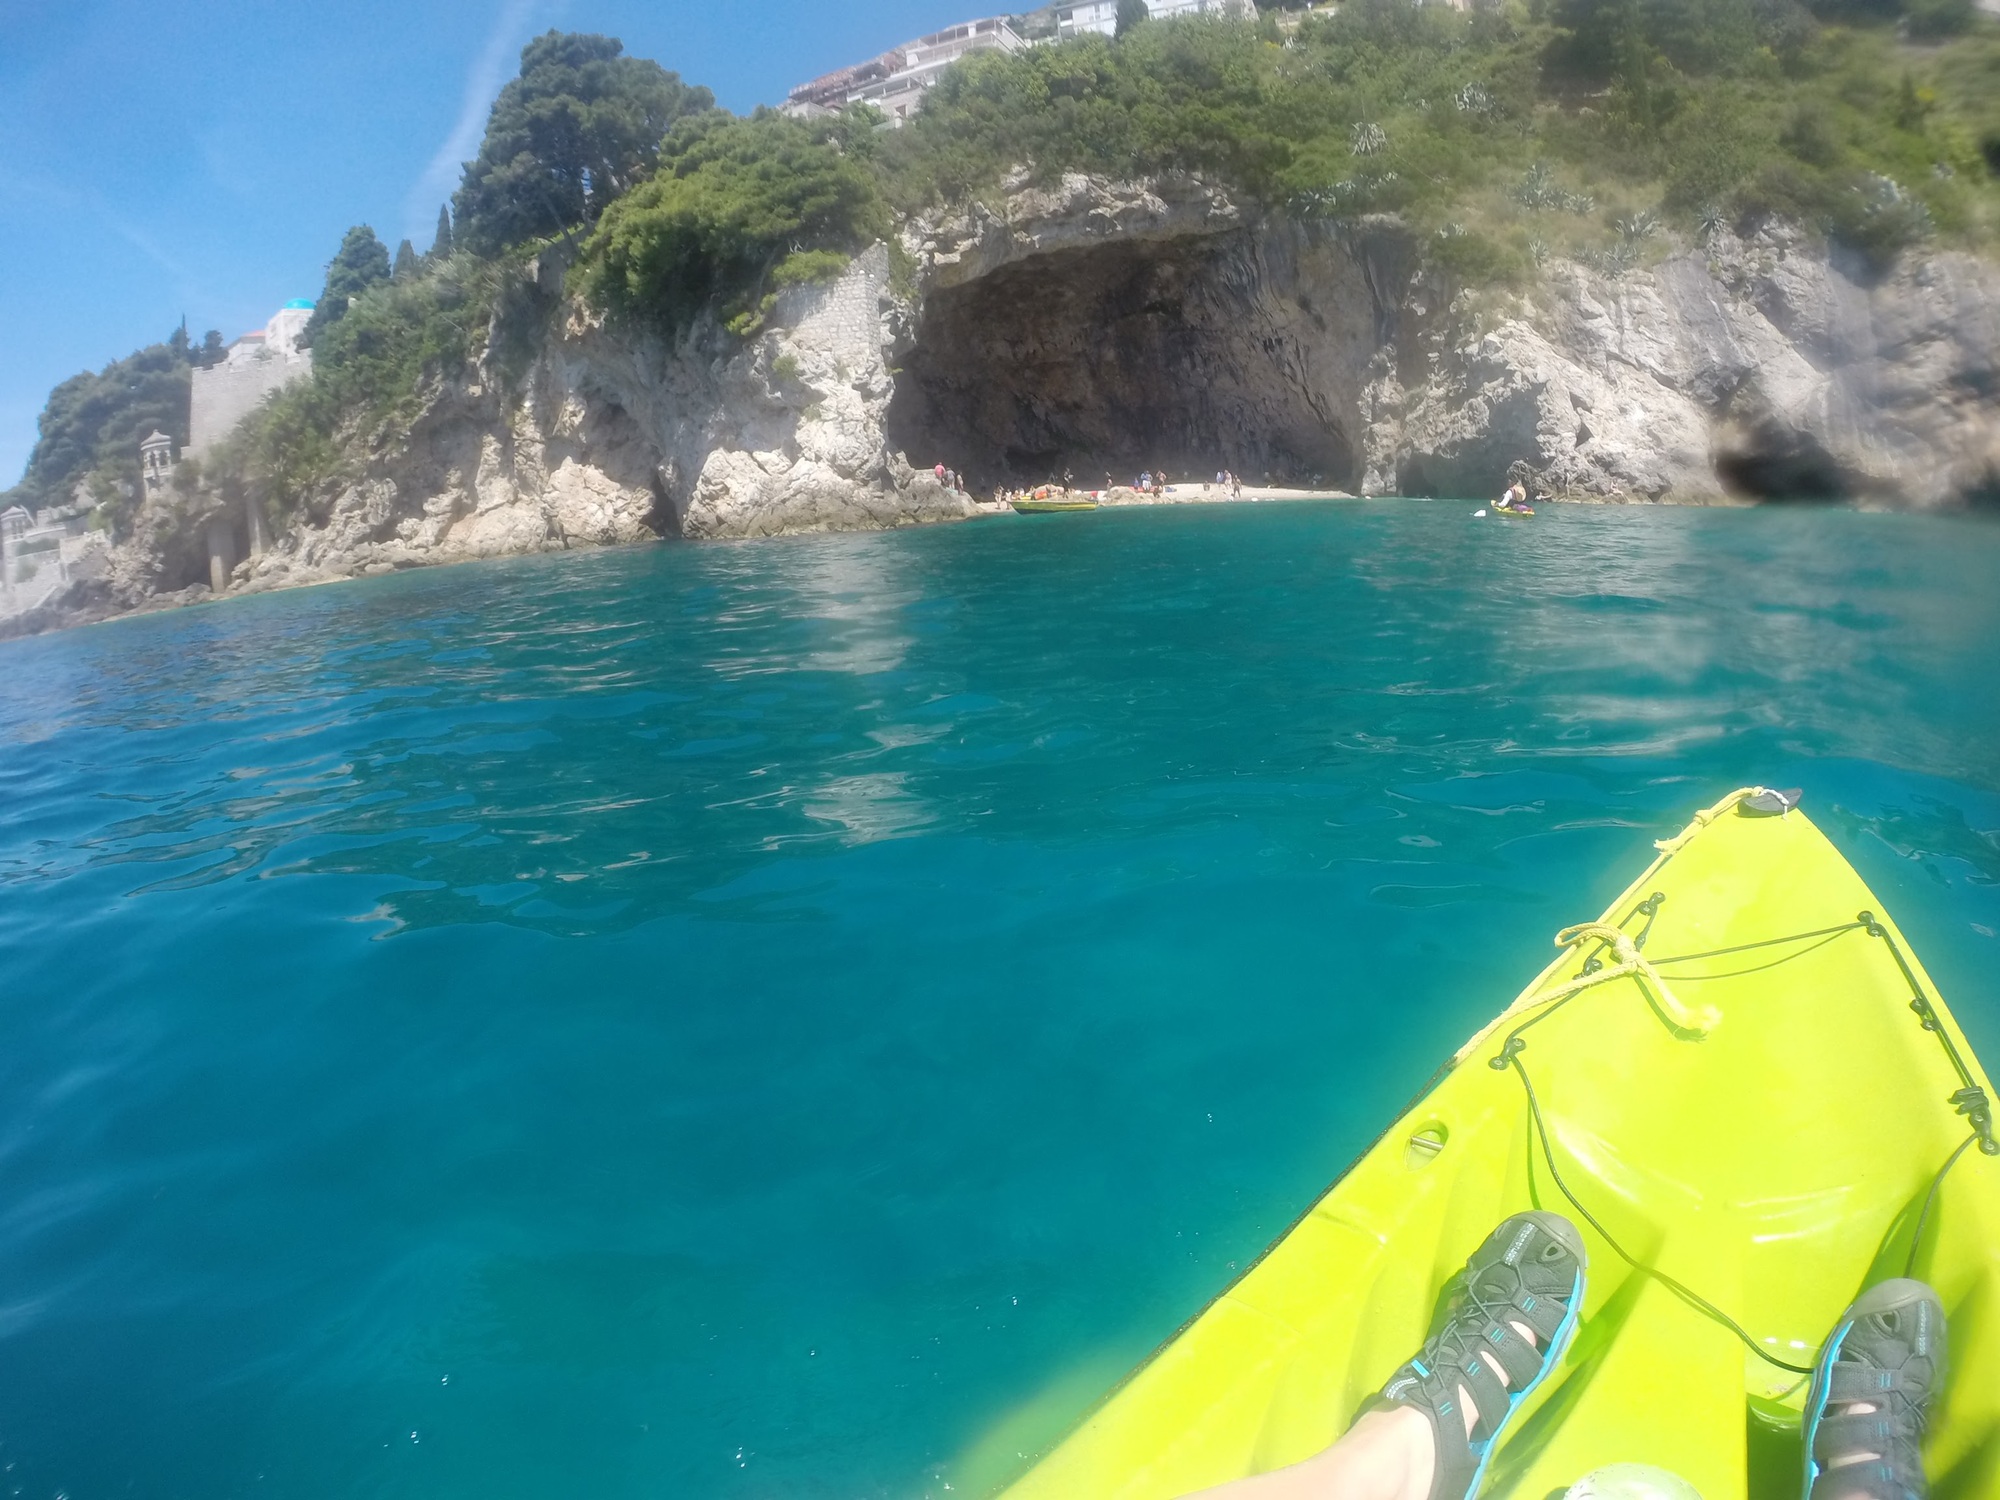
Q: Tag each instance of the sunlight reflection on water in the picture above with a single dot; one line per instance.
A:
(678, 994)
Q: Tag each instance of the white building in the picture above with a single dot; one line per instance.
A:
(896, 81)
(257, 364)
(278, 338)
(37, 554)
(1101, 16)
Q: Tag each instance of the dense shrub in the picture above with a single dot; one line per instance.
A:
(361, 261)
(372, 368)
(91, 419)
(736, 208)
(1712, 110)
(1931, 20)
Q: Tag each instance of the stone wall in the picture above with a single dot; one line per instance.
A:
(223, 395)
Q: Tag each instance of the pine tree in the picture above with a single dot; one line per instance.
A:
(361, 262)
(406, 262)
(441, 246)
(1131, 13)
(579, 126)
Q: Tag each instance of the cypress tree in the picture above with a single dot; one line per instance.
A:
(406, 262)
(441, 246)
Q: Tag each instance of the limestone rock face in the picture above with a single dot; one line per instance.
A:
(1758, 369)
(1077, 213)
(615, 436)
(1155, 324)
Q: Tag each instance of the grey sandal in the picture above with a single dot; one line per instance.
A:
(1887, 1352)
(1530, 1271)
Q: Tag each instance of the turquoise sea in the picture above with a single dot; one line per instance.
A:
(775, 1019)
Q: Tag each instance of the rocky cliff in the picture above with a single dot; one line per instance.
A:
(1758, 369)
(617, 436)
(607, 436)
(1101, 327)
(1158, 323)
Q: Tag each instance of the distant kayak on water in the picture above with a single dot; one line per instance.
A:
(1513, 500)
(1742, 1090)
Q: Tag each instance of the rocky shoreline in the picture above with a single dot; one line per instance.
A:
(1124, 325)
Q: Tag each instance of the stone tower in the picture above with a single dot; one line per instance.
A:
(156, 464)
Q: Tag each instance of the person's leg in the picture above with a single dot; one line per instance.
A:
(1388, 1454)
(1429, 1433)
(1881, 1368)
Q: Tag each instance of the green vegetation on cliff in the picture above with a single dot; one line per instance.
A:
(736, 209)
(580, 126)
(1513, 132)
(92, 424)
(362, 261)
(371, 368)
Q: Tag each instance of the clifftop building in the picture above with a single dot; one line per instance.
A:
(257, 364)
(1101, 16)
(895, 82)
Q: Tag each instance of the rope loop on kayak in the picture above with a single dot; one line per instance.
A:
(1970, 1101)
(1697, 1021)
(1702, 819)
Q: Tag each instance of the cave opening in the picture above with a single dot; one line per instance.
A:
(1188, 356)
(1799, 471)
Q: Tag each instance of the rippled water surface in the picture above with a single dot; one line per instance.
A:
(796, 1018)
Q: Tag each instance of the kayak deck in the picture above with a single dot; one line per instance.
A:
(1775, 1166)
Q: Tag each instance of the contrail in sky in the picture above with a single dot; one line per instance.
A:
(489, 71)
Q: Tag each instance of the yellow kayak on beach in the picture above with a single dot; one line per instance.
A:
(1049, 507)
(1743, 1089)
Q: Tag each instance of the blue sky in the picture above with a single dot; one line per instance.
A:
(203, 157)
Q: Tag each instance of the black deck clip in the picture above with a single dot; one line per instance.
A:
(1971, 1102)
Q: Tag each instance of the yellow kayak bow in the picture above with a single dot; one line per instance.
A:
(1742, 1087)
